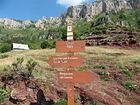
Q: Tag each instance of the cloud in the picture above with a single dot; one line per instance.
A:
(70, 2)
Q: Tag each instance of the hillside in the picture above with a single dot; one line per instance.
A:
(117, 72)
(99, 18)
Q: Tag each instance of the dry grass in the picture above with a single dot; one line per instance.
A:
(97, 53)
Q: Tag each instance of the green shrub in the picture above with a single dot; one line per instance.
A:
(48, 44)
(99, 67)
(21, 70)
(130, 85)
(5, 47)
(61, 102)
(3, 94)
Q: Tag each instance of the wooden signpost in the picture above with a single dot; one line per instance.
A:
(66, 61)
(70, 77)
(73, 76)
(70, 46)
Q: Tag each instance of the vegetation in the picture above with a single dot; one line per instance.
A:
(130, 85)
(48, 44)
(99, 67)
(31, 36)
(18, 71)
(124, 70)
(5, 47)
(136, 61)
(61, 102)
(127, 72)
(4, 93)
(2, 56)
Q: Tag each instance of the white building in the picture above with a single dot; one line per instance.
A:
(17, 46)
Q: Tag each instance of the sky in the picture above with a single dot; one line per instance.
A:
(35, 9)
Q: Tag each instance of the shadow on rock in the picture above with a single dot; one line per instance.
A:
(41, 100)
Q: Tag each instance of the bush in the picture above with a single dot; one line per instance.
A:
(5, 47)
(34, 44)
(20, 70)
(61, 102)
(48, 44)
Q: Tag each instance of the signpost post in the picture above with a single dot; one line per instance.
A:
(70, 77)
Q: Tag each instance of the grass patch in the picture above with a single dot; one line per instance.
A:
(114, 54)
(84, 68)
(61, 102)
(130, 85)
(120, 66)
(127, 72)
(136, 61)
(99, 67)
(4, 56)
(39, 74)
(124, 70)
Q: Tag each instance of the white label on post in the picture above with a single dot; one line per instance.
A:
(69, 28)
(70, 38)
(69, 33)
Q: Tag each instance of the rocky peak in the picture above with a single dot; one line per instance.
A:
(86, 11)
(12, 23)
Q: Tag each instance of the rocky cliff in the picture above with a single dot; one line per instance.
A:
(41, 23)
(87, 11)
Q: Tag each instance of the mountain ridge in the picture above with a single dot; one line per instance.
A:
(84, 11)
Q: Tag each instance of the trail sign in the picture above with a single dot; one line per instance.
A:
(70, 46)
(66, 61)
(73, 76)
